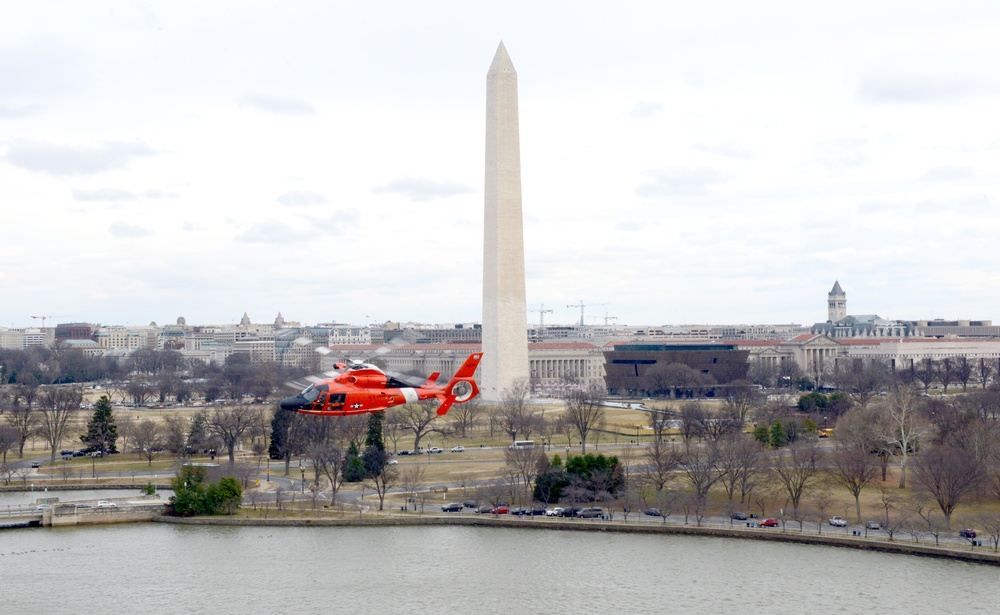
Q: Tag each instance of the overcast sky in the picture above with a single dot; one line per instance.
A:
(709, 162)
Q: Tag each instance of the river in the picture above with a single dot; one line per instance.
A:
(165, 569)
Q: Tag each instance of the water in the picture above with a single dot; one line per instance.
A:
(157, 568)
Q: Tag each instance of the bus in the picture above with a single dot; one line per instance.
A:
(523, 444)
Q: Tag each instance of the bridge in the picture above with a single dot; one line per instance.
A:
(124, 510)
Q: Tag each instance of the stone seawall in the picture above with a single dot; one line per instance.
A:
(981, 555)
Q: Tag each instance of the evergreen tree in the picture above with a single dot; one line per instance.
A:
(778, 436)
(198, 434)
(354, 468)
(102, 432)
(374, 437)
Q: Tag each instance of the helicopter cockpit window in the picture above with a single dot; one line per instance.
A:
(310, 394)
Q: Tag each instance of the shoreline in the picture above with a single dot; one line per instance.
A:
(978, 555)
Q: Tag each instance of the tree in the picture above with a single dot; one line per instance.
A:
(287, 436)
(662, 460)
(353, 468)
(514, 416)
(984, 371)
(963, 371)
(229, 424)
(174, 438)
(328, 461)
(8, 440)
(926, 372)
(525, 464)
(418, 418)
(902, 427)
(742, 398)
(949, 475)
(465, 416)
(797, 469)
(701, 470)
(194, 494)
(864, 379)
(102, 433)
(854, 468)
(23, 419)
(386, 477)
(585, 411)
(57, 405)
(147, 438)
(740, 466)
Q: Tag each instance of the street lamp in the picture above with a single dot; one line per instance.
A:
(303, 478)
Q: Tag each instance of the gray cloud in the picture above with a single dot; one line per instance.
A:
(421, 189)
(104, 194)
(897, 87)
(726, 148)
(677, 181)
(646, 109)
(285, 105)
(55, 159)
(947, 173)
(124, 229)
(271, 231)
(294, 198)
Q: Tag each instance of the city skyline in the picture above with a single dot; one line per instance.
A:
(680, 165)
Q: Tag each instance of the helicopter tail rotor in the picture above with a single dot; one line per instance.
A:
(462, 387)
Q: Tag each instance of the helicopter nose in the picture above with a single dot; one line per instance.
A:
(291, 403)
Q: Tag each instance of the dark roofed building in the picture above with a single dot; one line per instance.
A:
(627, 364)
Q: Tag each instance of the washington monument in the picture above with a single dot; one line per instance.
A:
(505, 315)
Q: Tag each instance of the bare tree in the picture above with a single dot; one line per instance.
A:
(740, 461)
(230, 423)
(466, 416)
(662, 460)
(930, 522)
(22, 417)
(384, 480)
(984, 371)
(990, 522)
(863, 380)
(525, 464)
(328, 461)
(148, 440)
(411, 479)
(963, 371)
(9, 438)
(701, 470)
(796, 469)
(585, 411)
(926, 372)
(895, 518)
(692, 422)
(949, 475)
(902, 427)
(742, 398)
(514, 416)
(57, 405)
(854, 468)
(418, 418)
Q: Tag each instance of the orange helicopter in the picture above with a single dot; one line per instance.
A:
(363, 387)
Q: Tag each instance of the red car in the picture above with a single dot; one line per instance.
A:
(769, 523)
(500, 510)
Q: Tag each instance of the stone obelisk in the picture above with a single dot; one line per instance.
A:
(505, 313)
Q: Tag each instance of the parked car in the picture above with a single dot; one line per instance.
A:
(470, 503)
(458, 449)
(500, 510)
(554, 512)
(106, 504)
(838, 522)
(873, 525)
(484, 509)
(653, 512)
(967, 533)
(571, 511)
(42, 507)
(452, 507)
(535, 512)
(591, 513)
(435, 449)
(404, 453)
(392, 462)
(739, 516)
(84, 506)
(35, 464)
(769, 522)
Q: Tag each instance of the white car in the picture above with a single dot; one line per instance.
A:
(435, 449)
(106, 504)
(393, 462)
(838, 522)
(458, 449)
(554, 512)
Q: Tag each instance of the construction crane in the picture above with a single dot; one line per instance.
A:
(582, 305)
(541, 315)
(541, 321)
(42, 318)
(607, 318)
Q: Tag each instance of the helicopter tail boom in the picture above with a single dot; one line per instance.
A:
(461, 388)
